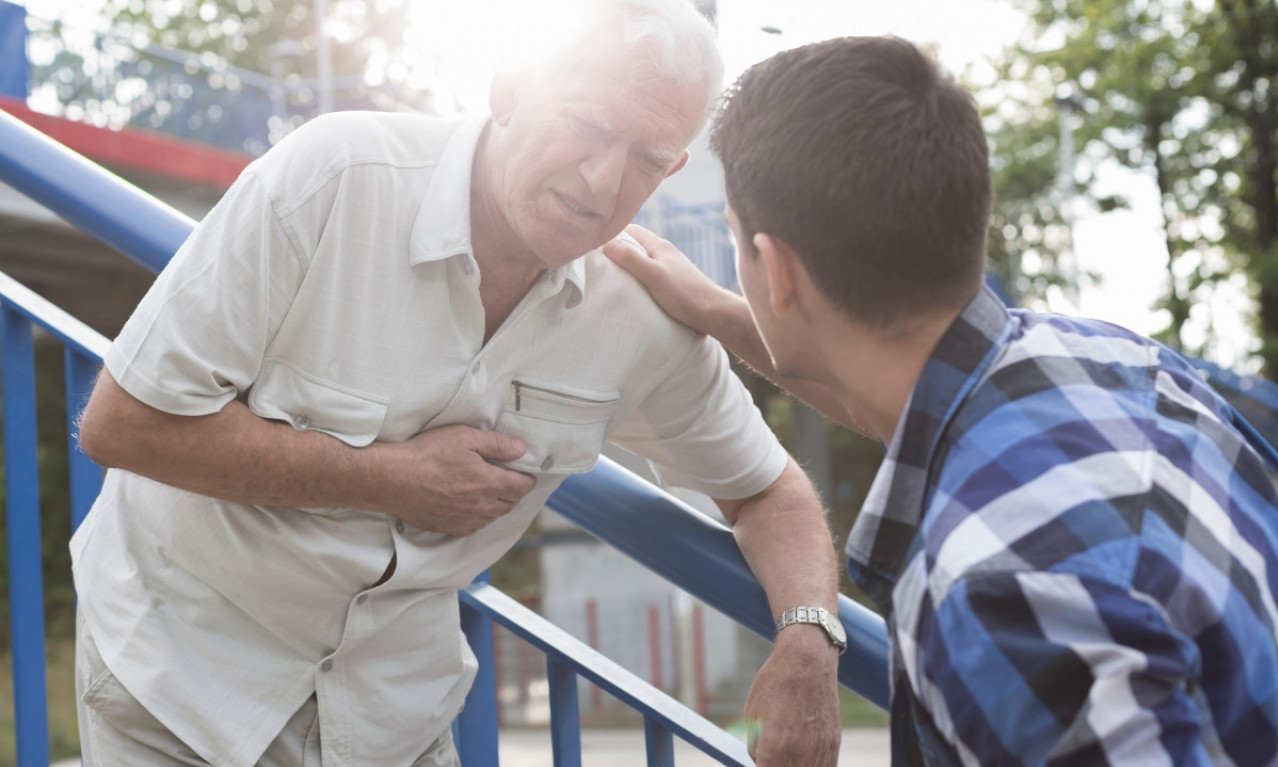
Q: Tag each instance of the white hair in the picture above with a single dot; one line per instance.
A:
(683, 43)
(677, 43)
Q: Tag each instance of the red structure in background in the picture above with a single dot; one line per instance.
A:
(138, 150)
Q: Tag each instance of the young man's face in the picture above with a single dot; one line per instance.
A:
(752, 273)
(580, 150)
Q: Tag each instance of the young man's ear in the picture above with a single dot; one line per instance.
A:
(784, 271)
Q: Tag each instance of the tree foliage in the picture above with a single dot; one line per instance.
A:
(1179, 89)
(222, 71)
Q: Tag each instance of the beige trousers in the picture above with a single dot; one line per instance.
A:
(117, 731)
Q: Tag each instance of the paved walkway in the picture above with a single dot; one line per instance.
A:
(625, 748)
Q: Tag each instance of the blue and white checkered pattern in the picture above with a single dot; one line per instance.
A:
(1077, 555)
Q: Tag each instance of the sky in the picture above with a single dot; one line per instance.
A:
(1124, 247)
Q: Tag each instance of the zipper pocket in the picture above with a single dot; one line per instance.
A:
(520, 386)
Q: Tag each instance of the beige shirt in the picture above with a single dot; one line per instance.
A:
(334, 288)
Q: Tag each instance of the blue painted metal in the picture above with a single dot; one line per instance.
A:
(15, 69)
(83, 351)
(660, 744)
(685, 546)
(565, 714)
(476, 731)
(85, 475)
(22, 517)
(88, 196)
(585, 661)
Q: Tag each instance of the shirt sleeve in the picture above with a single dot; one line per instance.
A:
(700, 429)
(196, 340)
(1023, 668)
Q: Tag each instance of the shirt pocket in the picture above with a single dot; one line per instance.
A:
(284, 393)
(563, 428)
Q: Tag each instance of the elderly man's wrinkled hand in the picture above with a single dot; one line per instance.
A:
(445, 480)
(792, 712)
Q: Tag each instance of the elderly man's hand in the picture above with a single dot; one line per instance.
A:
(793, 707)
(444, 480)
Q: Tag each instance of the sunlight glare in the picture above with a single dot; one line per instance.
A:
(462, 42)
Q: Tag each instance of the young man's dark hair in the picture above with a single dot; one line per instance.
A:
(862, 146)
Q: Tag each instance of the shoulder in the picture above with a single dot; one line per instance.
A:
(616, 297)
(1051, 457)
(332, 144)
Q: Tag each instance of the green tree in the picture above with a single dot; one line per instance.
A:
(220, 71)
(1175, 89)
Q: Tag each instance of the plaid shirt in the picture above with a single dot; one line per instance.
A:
(1076, 555)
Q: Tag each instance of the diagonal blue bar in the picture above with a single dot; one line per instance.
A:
(699, 555)
(587, 662)
(88, 196)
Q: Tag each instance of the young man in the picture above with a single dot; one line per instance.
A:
(1073, 546)
(358, 382)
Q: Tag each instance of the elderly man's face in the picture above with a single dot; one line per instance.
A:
(579, 151)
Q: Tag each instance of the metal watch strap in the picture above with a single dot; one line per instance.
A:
(818, 616)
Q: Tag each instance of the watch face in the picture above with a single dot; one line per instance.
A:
(835, 626)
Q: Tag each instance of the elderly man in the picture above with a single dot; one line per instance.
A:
(357, 383)
(1072, 538)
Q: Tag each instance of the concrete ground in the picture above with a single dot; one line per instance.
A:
(625, 748)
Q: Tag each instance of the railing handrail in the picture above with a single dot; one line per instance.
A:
(682, 545)
(603, 671)
(89, 197)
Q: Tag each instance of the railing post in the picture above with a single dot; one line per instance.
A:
(22, 516)
(86, 476)
(565, 714)
(477, 724)
(660, 743)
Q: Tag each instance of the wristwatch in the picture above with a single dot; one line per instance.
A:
(821, 617)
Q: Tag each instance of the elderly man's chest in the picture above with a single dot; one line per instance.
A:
(417, 359)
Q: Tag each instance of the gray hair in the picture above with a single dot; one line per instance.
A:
(684, 43)
(676, 40)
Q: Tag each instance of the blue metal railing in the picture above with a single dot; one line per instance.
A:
(20, 311)
(686, 547)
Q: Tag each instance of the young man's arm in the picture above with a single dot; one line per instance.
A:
(693, 299)
(794, 701)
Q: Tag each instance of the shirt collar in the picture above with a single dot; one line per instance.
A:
(442, 227)
(886, 530)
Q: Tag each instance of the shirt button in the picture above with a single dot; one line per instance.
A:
(546, 464)
(326, 666)
(468, 266)
(301, 421)
(478, 366)
(361, 599)
(400, 526)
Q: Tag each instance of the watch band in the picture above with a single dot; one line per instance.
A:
(818, 616)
